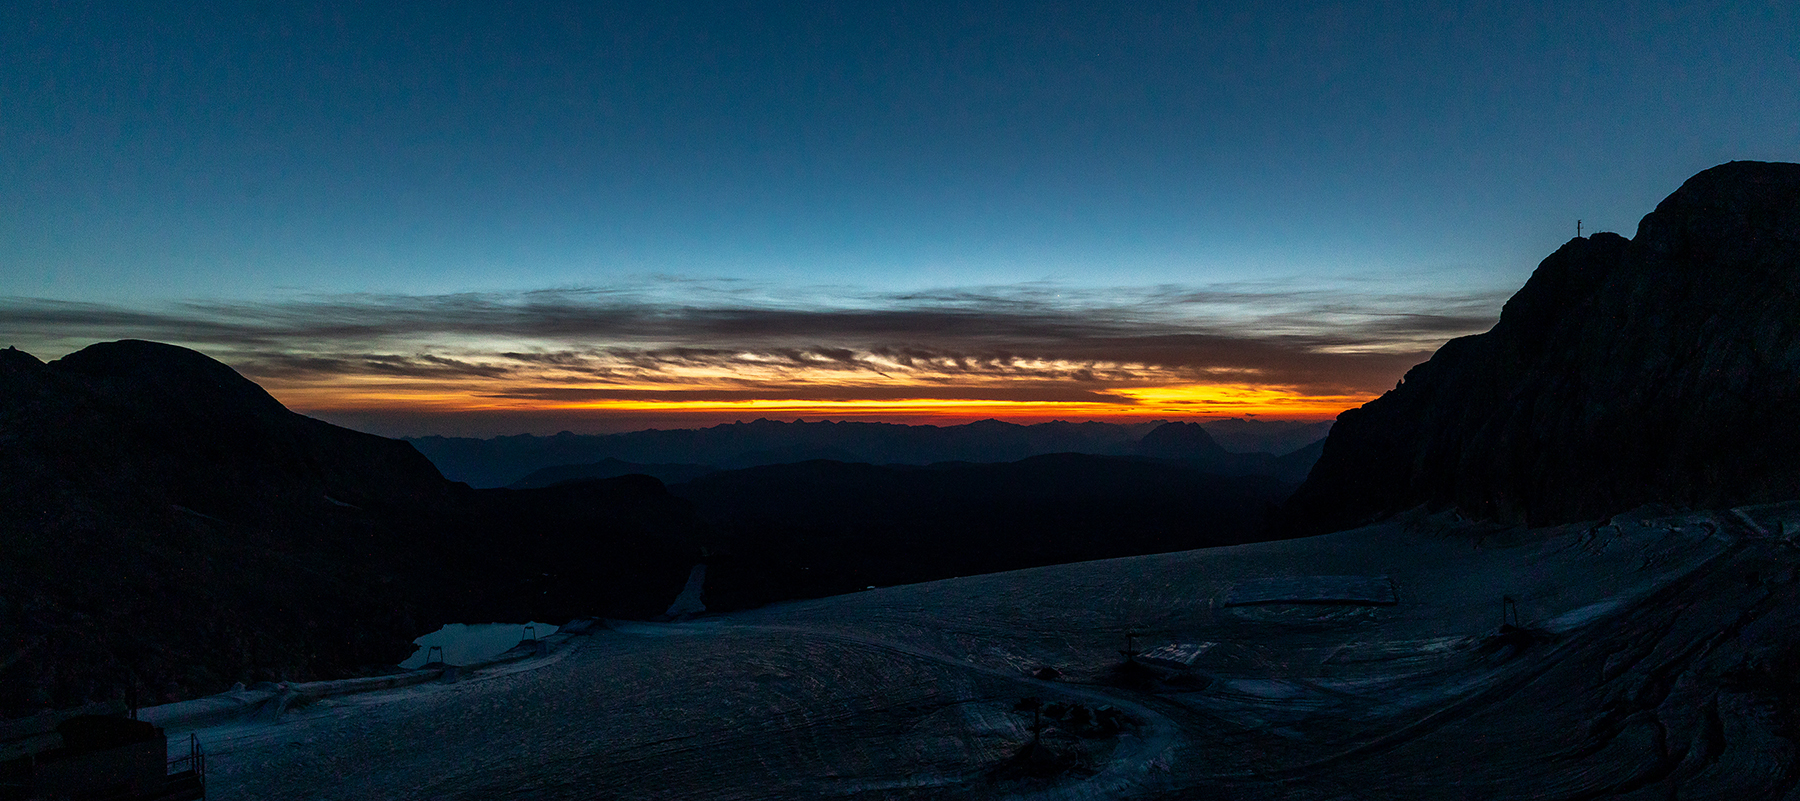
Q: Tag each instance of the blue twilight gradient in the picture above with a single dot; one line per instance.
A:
(252, 150)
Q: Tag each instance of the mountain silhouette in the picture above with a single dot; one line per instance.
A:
(1253, 435)
(1185, 441)
(168, 524)
(170, 527)
(611, 468)
(1661, 369)
(821, 527)
(509, 460)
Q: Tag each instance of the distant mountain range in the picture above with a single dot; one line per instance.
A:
(819, 528)
(513, 460)
(1185, 443)
(822, 526)
(611, 468)
(167, 525)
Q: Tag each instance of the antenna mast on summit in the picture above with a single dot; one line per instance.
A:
(1577, 229)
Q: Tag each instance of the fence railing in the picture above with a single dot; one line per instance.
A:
(191, 767)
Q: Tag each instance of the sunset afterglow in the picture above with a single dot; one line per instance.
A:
(1121, 405)
(600, 216)
(665, 353)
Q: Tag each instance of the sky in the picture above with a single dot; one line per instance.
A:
(494, 218)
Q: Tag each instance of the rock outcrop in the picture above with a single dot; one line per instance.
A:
(1661, 369)
(166, 524)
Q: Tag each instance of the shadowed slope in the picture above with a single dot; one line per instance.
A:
(820, 528)
(168, 524)
(1660, 369)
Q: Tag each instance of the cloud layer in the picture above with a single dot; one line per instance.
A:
(688, 343)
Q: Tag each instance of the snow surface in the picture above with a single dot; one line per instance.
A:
(688, 602)
(910, 692)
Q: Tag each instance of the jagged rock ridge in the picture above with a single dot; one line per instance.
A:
(1661, 369)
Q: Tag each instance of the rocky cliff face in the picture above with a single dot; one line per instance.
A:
(164, 522)
(1665, 368)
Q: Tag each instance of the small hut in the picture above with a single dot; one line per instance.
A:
(96, 751)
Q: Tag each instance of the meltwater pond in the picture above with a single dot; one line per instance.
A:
(468, 643)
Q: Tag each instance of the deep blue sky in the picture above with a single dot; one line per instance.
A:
(844, 156)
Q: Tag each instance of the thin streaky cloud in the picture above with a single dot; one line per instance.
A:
(970, 341)
(1030, 313)
(811, 392)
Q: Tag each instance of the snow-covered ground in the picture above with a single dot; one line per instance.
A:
(688, 602)
(1619, 682)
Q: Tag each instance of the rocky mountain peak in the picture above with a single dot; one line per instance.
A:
(1665, 368)
(170, 372)
(1180, 441)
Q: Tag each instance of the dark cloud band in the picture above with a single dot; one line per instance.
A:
(1028, 341)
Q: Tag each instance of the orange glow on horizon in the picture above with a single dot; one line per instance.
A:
(1141, 403)
(606, 391)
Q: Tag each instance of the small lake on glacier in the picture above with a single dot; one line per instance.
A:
(468, 643)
